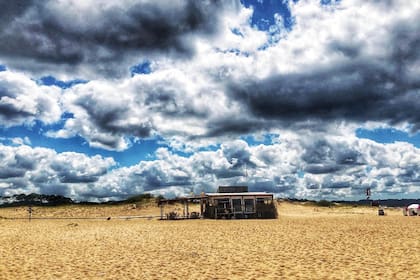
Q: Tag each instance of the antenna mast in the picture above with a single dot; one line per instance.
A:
(246, 173)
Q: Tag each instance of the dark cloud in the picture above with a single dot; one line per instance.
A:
(349, 157)
(24, 162)
(236, 153)
(318, 152)
(22, 101)
(171, 102)
(54, 188)
(323, 157)
(406, 38)
(381, 86)
(336, 185)
(74, 178)
(108, 118)
(321, 168)
(357, 92)
(12, 9)
(312, 186)
(350, 50)
(49, 32)
(263, 186)
(16, 165)
(11, 111)
(411, 174)
(17, 183)
(207, 167)
(283, 185)
(11, 172)
(75, 173)
(227, 173)
(234, 126)
(42, 177)
(154, 177)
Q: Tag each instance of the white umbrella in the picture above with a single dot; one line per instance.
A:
(412, 209)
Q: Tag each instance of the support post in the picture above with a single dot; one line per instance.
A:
(188, 210)
(201, 204)
(30, 213)
(183, 210)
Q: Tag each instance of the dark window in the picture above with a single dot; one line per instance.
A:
(249, 205)
(260, 200)
(223, 203)
(237, 205)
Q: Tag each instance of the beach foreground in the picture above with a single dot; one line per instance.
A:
(305, 242)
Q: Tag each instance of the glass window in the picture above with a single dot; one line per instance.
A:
(260, 200)
(223, 203)
(237, 204)
(249, 205)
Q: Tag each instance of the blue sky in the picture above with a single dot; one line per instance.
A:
(314, 99)
(389, 135)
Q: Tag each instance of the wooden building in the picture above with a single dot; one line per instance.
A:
(236, 202)
(229, 202)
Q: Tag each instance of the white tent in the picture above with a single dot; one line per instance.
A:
(412, 210)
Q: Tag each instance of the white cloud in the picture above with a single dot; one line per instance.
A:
(22, 101)
(25, 170)
(359, 163)
(285, 168)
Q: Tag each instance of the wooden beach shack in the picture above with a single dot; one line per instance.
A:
(236, 202)
(229, 202)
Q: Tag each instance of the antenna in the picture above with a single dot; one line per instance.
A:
(368, 193)
(246, 172)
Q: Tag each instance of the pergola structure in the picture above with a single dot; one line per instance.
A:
(185, 202)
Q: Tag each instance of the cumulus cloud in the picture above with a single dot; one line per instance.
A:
(22, 101)
(349, 61)
(25, 169)
(167, 103)
(345, 167)
(339, 167)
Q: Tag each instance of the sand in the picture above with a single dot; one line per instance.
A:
(306, 242)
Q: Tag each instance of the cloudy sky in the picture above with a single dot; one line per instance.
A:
(310, 99)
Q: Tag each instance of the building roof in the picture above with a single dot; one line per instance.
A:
(240, 194)
(232, 189)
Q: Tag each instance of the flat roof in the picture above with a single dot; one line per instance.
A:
(241, 194)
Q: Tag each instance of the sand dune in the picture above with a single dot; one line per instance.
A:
(306, 242)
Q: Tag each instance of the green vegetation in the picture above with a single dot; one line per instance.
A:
(324, 203)
(140, 198)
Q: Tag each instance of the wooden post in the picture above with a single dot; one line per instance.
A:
(201, 204)
(231, 206)
(30, 213)
(183, 210)
(188, 210)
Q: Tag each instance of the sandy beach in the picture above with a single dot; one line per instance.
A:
(305, 242)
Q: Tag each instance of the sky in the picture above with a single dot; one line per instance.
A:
(102, 100)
